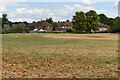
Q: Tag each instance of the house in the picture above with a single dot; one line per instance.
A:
(18, 25)
(40, 25)
(33, 25)
(46, 26)
(103, 27)
(64, 25)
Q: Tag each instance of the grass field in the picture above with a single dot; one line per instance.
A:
(60, 55)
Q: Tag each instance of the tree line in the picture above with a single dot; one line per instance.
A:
(113, 22)
(81, 21)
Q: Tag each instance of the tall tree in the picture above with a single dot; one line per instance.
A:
(49, 20)
(105, 20)
(115, 27)
(25, 22)
(0, 21)
(79, 22)
(54, 24)
(92, 20)
(4, 19)
(102, 18)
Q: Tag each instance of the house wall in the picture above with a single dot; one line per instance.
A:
(46, 28)
(60, 27)
(108, 28)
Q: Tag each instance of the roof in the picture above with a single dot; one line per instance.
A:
(46, 24)
(103, 25)
(40, 24)
(18, 25)
(66, 23)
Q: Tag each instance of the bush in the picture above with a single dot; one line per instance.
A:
(59, 29)
(13, 30)
(103, 31)
(69, 30)
(17, 29)
(3, 31)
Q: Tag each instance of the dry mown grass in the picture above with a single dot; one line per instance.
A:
(43, 55)
(99, 36)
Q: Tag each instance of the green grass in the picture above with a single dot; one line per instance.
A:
(33, 55)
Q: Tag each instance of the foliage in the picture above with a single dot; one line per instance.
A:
(113, 22)
(115, 27)
(3, 31)
(14, 30)
(69, 30)
(0, 25)
(0, 21)
(105, 20)
(92, 20)
(79, 22)
(85, 21)
(4, 19)
(54, 24)
(103, 31)
(25, 22)
(17, 29)
(59, 29)
(49, 20)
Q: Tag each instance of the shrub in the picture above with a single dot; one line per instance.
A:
(13, 30)
(106, 31)
(69, 30)
(17, 29)
(59, 29)
(1, 32)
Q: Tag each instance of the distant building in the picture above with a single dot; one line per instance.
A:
(18, 25)
(103, 27)
(40, 25)
(64, 25)
(46, 26)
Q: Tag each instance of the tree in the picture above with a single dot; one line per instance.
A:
(92, 20)
(54, 24)
(105, 20)
(19, 29)
(0, 25)
(25, 22)
(115, 27)
(79, 22)
(4, 19)
(0, 22)
(102, 18)
(49, 20)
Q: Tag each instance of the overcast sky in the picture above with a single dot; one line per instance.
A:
(59, 11)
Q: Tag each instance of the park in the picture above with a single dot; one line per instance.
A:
(60, 55)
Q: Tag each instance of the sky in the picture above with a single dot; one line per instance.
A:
(30, 11)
